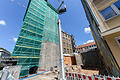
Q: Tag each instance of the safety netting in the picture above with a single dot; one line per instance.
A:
(39, 24)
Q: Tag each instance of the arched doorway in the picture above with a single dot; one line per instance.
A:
(33, 70)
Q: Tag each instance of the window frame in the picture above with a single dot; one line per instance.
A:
(118, 38)
(64, 50)
(114, 8)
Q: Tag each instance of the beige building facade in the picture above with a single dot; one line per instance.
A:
(104, 19)
(67, 43)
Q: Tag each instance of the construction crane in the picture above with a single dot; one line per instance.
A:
(60, 10)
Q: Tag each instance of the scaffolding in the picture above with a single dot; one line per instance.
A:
(50, 45)
(39, 24)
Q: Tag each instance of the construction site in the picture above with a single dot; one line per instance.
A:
(44, 51)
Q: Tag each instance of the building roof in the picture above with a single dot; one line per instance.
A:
(66, 33)
(92, 43)
(4, 50)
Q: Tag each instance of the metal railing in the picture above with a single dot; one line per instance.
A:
(78, 76)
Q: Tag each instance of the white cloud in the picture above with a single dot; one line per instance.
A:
(87, 30)
(89, 41)
(15, 39)
(2, 22)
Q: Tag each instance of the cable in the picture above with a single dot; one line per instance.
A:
(18, 3)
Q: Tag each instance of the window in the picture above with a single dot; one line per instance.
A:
(86, 47)
(67, 45)
(63, 38)
(63, 43)
(111, 11)
(69, 41)
(118, 40)
(66, 40)
(108, 13)
(64, 50)
(117, 4)
(68, 51)
(70, 46)
(65, 35)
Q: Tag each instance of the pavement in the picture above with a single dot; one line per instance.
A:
(46, 76)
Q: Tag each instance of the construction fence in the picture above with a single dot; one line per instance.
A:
(77, 76)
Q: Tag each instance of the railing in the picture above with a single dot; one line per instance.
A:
(87, 50)
(77, 76)
(8, 59)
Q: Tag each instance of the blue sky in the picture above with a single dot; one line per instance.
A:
(11, 18)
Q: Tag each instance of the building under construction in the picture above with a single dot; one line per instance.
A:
(38, 43)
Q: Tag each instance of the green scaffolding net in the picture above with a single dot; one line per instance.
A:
(40, 24)
(50, 28)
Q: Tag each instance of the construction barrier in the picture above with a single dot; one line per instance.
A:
(10, 72)
(76, 76)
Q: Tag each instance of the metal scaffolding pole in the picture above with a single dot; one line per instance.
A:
(62, 73)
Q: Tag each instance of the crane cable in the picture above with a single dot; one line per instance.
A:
(18, 3)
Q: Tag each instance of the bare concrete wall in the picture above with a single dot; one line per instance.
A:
(78, 59)
(49, 55)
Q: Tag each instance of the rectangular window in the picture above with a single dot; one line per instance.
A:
(69, 41)
(64, 50)
(68, 51)
(117, 4)
(65, 35)
(63, 38)
(64, 44)
(118, 40)
(108, 13)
